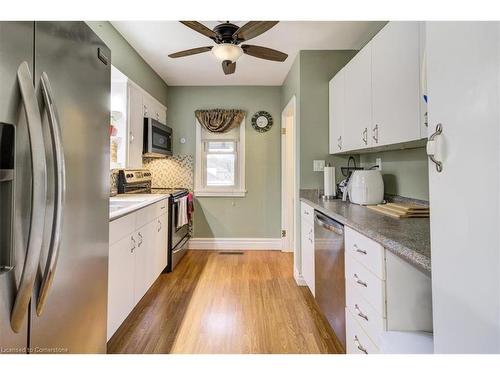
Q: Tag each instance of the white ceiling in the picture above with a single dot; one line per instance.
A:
(155, 40)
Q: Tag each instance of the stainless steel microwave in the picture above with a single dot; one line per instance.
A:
(157, 138)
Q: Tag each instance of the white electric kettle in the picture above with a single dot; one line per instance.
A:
(366, 187)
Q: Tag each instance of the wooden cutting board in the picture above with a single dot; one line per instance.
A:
(408, 207)
(381, 208)
(402, 210)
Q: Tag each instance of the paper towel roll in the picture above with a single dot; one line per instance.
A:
(329, 188)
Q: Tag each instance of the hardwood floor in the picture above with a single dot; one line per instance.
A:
(221, 303)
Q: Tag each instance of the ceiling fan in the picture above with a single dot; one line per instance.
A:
(227, 38)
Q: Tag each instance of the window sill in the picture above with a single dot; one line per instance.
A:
(233, 193)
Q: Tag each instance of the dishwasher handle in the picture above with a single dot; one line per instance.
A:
(328, 223)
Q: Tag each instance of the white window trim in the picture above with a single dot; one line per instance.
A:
(199, 191)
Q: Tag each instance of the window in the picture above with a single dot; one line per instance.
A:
(220, 162)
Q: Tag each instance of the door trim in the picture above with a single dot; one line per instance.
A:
(289, 183)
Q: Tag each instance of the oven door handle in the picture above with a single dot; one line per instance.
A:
(180, 246)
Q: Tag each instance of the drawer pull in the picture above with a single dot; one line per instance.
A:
(359, 281)
(140, 237)
(358, 345)
(360, 314)
(133, 247)
(358, 250)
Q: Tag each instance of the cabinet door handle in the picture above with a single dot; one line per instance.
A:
(358, 345)
(365, 136)
(375, 133)
(159, 225)
(133, 246)
(432, 147)
(140, 238)
(358, 250)
(339, 142)
(359, 281)
(360, 313)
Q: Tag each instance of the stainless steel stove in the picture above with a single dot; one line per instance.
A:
(139, 181)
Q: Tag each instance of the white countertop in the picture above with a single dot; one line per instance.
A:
(124, 204)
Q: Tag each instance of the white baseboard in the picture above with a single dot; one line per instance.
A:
(234, 244)
(298, 278)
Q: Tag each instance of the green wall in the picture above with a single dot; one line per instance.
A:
(316, 70)
(405, 172)
(308, 80)
(129, 62)
(258, 214)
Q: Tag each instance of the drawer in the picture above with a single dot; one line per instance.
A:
(161, 207)
(372, 322)
(366, 251)
(147, 214)
(357, 341)
(365, 283)
(121, 227)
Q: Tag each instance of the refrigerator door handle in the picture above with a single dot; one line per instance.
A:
(38, 197)
(59, 192)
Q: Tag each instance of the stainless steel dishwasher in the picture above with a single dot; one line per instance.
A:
(329, 272)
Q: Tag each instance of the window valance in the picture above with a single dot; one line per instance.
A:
(219, 120)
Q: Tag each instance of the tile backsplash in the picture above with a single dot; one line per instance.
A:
(113, 177)
(171, 172)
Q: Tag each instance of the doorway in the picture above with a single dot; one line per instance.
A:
(289, 190)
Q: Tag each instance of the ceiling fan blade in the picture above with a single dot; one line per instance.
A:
(252, 29)
(189, 52)
(199, 27)
(228, 67)
(264, 53)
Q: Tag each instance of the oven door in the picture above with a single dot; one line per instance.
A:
(178, 234)
(157, 138)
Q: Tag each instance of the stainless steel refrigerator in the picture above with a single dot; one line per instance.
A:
(54, 187)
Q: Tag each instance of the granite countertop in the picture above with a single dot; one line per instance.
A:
(408, 238)
(123, 204)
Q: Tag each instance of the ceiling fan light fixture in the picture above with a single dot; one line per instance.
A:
(227, 51)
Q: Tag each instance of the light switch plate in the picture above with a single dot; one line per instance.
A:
(378, 161)
(318, 165)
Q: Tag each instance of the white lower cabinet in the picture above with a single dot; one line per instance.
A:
(120, 282)
(357, 341)
(137, 255)
(384, 295)
(161, 250)
(144, 260)
(307, 245)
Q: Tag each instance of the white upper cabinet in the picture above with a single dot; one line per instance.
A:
(140, 105)
(336, 111)
(396, 84)
(382, 87)
(358, 101)
(154, 109)
(135, 126)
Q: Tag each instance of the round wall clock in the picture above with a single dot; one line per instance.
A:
(262, 121)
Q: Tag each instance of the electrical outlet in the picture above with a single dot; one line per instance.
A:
(378, 161)
(318, 165)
